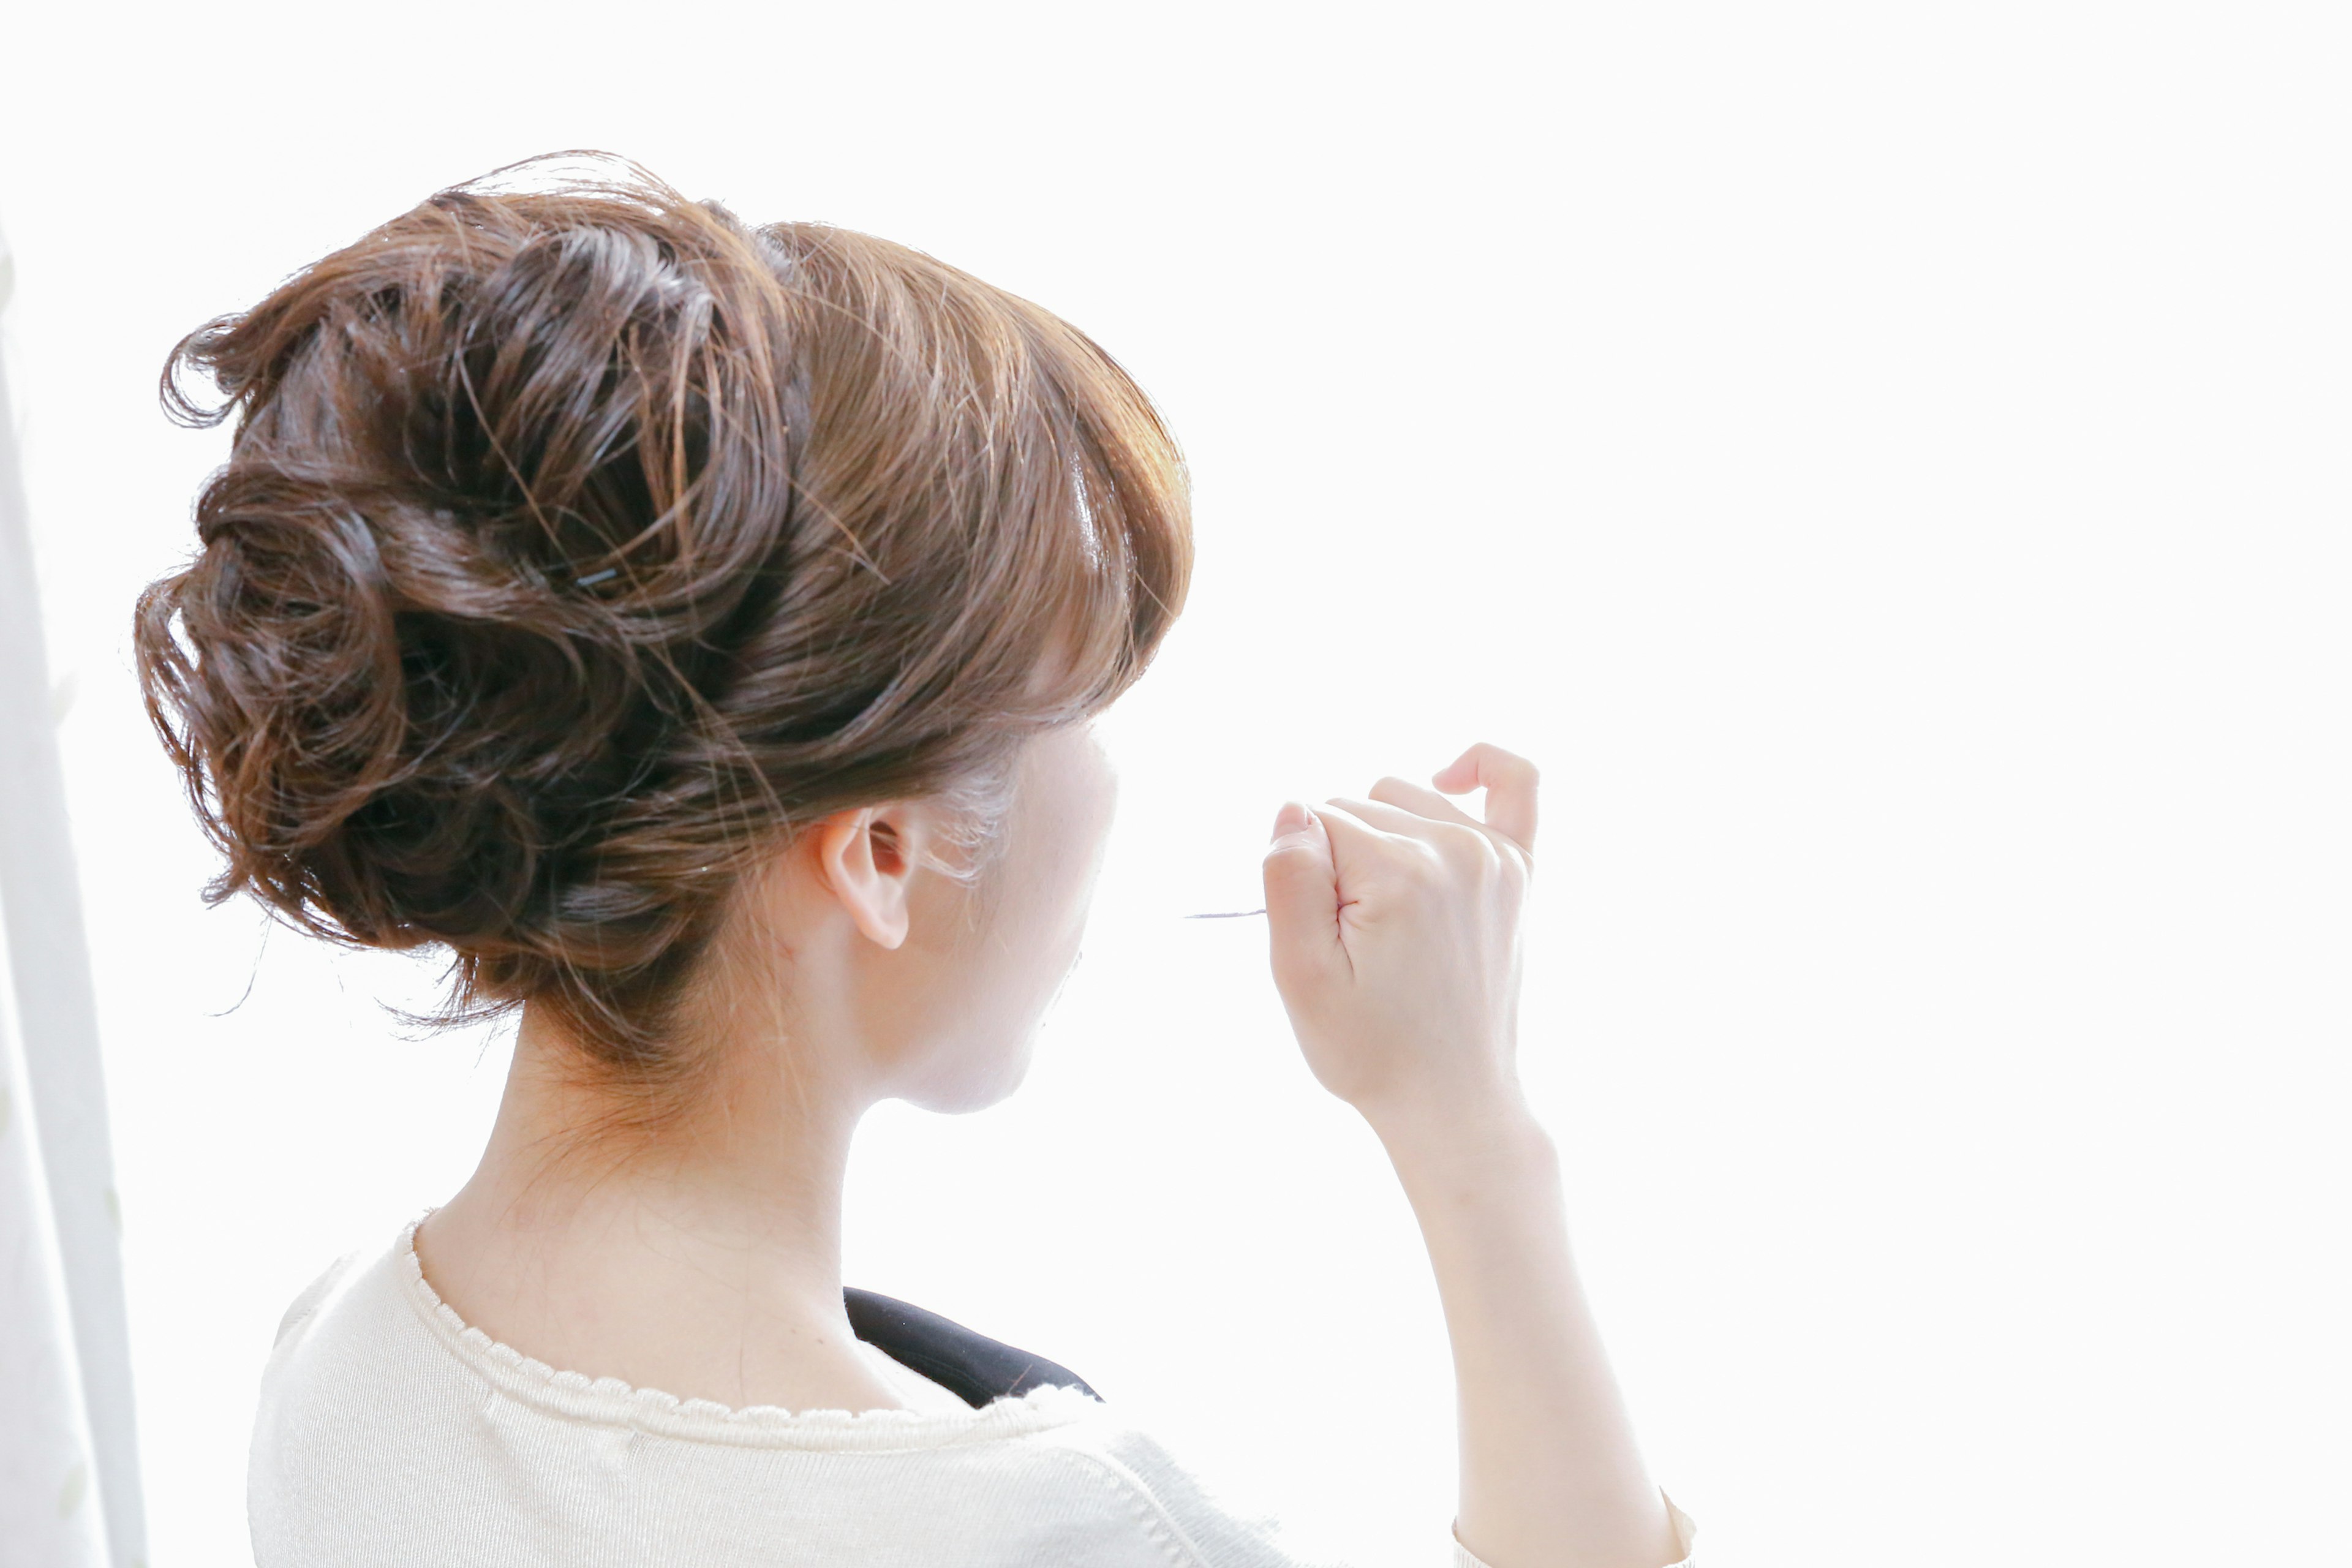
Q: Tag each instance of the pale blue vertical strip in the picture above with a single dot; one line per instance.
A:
(48, 964)
(51, 1514)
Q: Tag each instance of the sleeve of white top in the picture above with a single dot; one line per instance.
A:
(1684, 1534)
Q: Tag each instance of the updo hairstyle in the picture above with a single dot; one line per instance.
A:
(578, 543)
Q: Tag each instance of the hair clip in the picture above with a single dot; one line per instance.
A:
(594, 578)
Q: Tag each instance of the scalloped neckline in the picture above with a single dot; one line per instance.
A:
(580, 1397)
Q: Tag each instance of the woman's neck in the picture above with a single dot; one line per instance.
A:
(703, 1260)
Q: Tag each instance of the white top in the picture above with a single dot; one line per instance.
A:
(390, 1433)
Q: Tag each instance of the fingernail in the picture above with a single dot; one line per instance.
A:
(1292, 818)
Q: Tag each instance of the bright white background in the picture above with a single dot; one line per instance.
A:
(1888, 462)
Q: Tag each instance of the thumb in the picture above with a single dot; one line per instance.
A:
(1302, 902)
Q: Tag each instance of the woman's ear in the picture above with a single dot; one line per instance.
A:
(867, 857)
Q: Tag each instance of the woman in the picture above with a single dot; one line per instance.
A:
(694, 630)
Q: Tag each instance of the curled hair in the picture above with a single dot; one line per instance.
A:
(579, 541)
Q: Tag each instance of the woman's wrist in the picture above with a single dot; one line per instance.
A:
(1489, 1143)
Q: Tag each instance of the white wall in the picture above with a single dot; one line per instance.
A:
(1887, 461)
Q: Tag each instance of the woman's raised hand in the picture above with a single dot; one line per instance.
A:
(1395, 925)
(1396, 948)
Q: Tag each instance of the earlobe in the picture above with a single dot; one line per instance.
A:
(863, 861)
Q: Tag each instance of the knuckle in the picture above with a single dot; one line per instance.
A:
(1465, 844)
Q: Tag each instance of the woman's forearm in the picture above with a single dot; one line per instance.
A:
(1551, 1477)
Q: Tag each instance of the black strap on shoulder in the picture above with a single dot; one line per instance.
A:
(975, 1368)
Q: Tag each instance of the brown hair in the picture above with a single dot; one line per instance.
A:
(578, 541)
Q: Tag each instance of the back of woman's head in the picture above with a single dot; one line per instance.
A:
(579, 543)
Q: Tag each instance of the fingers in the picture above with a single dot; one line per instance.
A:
(1509, 780)
(1302, 899)
(1421, 802)
(1402, 822)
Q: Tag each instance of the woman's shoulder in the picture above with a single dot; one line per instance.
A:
(315, 1294)
(348, 1305)
(343, 1342)
(392, 1431)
